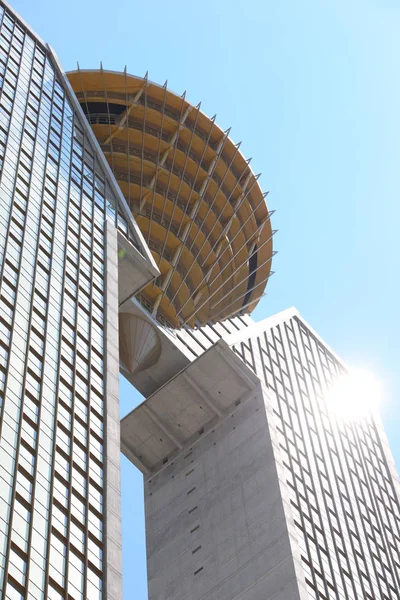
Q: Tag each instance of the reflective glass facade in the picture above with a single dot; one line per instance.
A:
(337, 475)
(55, 199)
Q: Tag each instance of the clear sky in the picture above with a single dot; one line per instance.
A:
(312, 87)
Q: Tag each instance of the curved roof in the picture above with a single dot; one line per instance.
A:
(194, 196)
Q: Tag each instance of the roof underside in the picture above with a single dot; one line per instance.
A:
(190, 404)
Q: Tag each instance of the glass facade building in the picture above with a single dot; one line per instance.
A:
(61, 221)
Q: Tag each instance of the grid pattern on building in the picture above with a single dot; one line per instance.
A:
(342, 495)
(54, 198)
(199, 340)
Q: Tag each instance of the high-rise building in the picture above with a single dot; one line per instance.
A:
(69, 251)
(134, 238)
(256, 486)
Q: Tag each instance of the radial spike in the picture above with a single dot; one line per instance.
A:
(221, 236)
(205, 218)
(174, 143)
(234, 272)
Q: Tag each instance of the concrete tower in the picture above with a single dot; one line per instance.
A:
(134, 238)
(255, 485)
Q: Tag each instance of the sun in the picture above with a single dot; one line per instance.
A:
(355, 394)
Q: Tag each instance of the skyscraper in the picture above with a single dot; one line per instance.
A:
(134, 238)
(255, 485)
(65, 236)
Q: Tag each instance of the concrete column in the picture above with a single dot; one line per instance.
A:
(216, 522)
(112, 556)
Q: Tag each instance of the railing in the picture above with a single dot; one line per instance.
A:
(159, 107)
(102, 119)
(123, 176)
(131, 150)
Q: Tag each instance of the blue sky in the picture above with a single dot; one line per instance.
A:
(312, 87)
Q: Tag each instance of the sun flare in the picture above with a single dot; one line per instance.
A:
(355, 394)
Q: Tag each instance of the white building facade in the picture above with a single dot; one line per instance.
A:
(255, 486)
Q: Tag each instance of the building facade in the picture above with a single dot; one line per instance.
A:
(65, 234)
(255, 486)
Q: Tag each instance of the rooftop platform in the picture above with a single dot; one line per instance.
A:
(196, 200)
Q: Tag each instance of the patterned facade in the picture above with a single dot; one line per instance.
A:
(60, 215)
(339, 475)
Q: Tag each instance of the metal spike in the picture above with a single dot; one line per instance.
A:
(227, 201)
(236, 270)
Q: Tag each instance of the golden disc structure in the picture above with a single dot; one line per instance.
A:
(194, 196)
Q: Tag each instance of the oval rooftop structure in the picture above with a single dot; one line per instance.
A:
(194, 197)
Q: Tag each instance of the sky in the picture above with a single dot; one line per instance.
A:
(312, 88)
